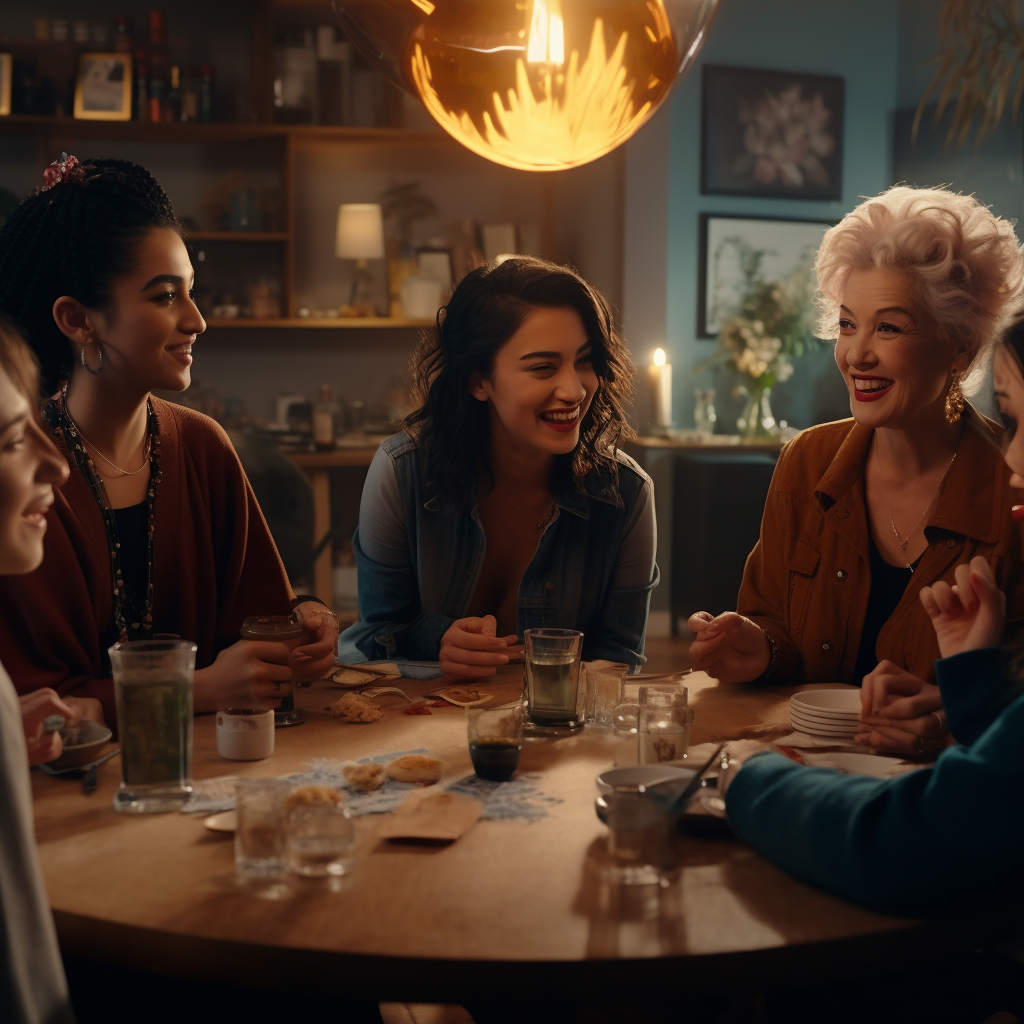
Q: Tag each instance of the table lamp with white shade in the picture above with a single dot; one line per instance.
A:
(360, 237)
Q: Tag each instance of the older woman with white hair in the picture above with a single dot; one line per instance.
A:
(915, 285)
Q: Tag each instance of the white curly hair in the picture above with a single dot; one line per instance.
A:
(964, 263)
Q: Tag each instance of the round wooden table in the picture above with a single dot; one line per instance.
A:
(512, 903)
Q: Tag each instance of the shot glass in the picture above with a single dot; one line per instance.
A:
(495, 740)
(153, 690)
(604, 692)
(320, 840)
(285, 629)
(664, 722)
(551, 663)
(260, 830)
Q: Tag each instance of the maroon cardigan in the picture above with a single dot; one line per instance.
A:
(214, 563)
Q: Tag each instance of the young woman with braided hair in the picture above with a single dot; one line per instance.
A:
(157, 529)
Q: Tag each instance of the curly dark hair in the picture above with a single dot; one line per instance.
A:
(489, 305)
(74, 238)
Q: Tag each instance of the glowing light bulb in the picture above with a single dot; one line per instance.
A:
(535, 84)
(659, 357)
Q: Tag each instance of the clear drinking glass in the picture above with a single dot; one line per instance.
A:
(639, 836)
(663, 726)
(604, 693)
(153, 690)
(285, 629)
(320, 840)
(551, 663)
(495, 740)
(262, 815)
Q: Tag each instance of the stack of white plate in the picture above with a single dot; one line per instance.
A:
(826, 712)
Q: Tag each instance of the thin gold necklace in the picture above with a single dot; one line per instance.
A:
(123, 472)
(892, 522)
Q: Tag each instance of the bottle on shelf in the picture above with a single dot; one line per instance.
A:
(190, 96)
(325, 419)
(159, 66)
(207, 84)
(124, 39)
(173, 110)
(140, 104)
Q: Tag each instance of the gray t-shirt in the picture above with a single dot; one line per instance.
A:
(32, 985)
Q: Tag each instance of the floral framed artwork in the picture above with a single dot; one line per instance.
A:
(776, 134)
(103, 91)
(756, 267)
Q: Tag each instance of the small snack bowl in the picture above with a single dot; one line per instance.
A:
(245, 734)
(88, 737)
(645, 775)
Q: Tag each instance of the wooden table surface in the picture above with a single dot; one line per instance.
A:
(512, 902)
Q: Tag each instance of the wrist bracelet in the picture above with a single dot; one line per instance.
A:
(773, 652)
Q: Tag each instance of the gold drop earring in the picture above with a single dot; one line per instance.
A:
(954, 398)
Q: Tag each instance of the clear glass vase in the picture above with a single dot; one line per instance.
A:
(757, 420)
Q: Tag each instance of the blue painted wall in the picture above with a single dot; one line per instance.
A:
(858, 41)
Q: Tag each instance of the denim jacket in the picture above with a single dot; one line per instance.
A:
(593, 569)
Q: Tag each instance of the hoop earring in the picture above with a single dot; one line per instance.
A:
(85, 362)
(954, 399)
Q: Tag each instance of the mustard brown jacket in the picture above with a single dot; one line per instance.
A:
(808, 579)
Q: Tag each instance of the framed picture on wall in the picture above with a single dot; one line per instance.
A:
(776, 134)
(6, 77)
(738, 253)
(104, 88)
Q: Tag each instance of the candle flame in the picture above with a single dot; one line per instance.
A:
(659, 357)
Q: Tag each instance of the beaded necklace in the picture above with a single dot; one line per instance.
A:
(59, 420)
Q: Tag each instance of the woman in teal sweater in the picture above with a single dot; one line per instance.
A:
(959, 823)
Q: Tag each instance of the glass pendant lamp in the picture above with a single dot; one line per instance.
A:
(539, 85)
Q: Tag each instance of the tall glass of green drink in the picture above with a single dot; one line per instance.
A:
(153, 689)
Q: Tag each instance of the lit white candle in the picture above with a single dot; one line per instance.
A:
(660, 375)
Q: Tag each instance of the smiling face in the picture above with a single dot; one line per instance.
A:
(542, 383)
(895, 364)
(1009, 384)
(30, 467)
(150, 323)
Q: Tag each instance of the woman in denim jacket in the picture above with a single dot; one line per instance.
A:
(505, 504)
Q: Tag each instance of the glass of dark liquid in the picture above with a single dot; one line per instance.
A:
(495, 740)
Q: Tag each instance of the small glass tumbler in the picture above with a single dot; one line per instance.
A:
(551, 664)
(495, 740)
(604, 692)
(153, 690)
(704, 416)
(285, 629)
(260, 830)
(639, 836)
(663, 726)
(321, 840)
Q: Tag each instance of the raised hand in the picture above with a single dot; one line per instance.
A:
(248, 674)
(730, 647)
(314, 659)
(470, 650)
(901, 713)
(970, 615)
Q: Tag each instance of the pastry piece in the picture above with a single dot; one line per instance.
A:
(463, 696)
(348, 676)
(364, 776)
(354, 708)
(310, 796)
(415, 768)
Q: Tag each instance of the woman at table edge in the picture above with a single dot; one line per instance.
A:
(157, 529)
(865, 512)
(504, 503)
(32, 985)
(956, 827)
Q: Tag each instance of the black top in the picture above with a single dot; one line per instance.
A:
(888, 584)
(132, 535)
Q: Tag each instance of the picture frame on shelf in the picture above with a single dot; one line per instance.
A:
(6, 80)
(437, 265)
(784, 245)
(103, 90)
(774, 134)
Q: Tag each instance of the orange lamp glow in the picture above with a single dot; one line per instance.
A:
(539, 85)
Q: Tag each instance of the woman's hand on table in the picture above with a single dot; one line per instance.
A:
(38, 706)
(970, 615)
(470, 650)
(730, 647)
(734, 756)
(248, 674)
(900, 713)
(314, 659)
